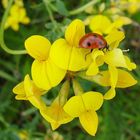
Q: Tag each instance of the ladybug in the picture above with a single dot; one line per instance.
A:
(92, 41)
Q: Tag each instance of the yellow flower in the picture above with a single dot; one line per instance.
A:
(55, 113)
(124, 78)
(27, 90)
(17, 15)
(62, 60)
(116, 14)
(85, 106)
(114, 77)
(132, 6)
(17, 2)
(99, 24)
(103, 25)
(45, 73)
(66, 52)
(113, 57)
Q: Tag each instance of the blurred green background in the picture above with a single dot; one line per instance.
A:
(19, 120)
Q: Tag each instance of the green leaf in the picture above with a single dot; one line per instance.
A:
(7, 76)
(61, 8)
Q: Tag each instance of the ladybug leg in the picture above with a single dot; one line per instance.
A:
(107, 48)
(102, 49)
(88, 54)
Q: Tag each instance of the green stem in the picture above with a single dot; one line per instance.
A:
(2, 43)
(47, 3)
(81, 9)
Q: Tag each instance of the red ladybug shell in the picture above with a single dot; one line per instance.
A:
(92, 41)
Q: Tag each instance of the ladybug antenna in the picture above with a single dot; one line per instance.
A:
(107, 47)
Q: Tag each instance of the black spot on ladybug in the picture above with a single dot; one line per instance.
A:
(88, 43)
(100, 43)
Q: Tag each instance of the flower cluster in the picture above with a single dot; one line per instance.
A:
(119, 7)
(112, 15)
(131, 6)
(104, 25)
(61, 62)
(17, 15)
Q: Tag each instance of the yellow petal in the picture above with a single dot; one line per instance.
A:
(97, 60)
(15, 26)
(87, 20)
(103, 78)
(89, 121)
(38, 47)
(115, 25)
(130, 64)
(44, 113)
(113, 76)
(21, 97)
(14, 10)
(125, 79)
(20, 91)
(9, 22)
(37, 102)
(19, 3)
(54, 126)
(115, 58)
(74, 32)
(133, 6)
(114, 38)
(68, 57)
(110, 94)
(76, 105)
(33, 94)
(114, 10)
(25, 20)
(97, 56)
(29, 84)
(19, 88)
(22, 14)
(92, 100)
(46, 74)
(55, 114)
(99, 23)
(92, 69)
(126, 20)
(39, 74)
